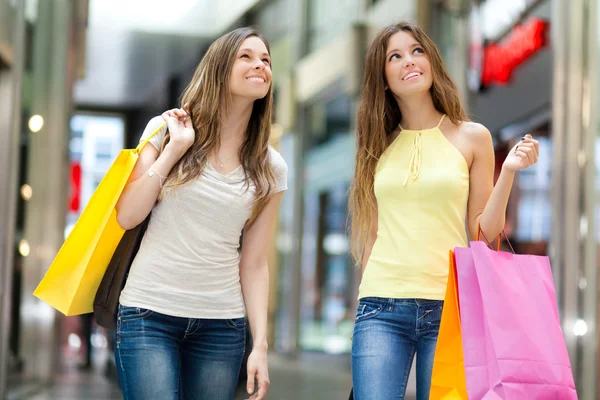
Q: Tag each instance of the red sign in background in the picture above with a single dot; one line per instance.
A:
(75, 195)
(500, 59)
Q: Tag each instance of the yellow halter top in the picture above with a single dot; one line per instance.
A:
(422, 189)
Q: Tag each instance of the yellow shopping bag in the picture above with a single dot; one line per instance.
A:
(71, 282)
(448, 380)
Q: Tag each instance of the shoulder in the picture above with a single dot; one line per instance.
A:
(154, 124)
(277, 162)
(476, 134)
(280, 170)
(158, 125)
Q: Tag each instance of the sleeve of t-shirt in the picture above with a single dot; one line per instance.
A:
(280, 170)
(152, 126)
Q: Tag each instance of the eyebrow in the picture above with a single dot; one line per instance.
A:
(412, 45)
(250, 50)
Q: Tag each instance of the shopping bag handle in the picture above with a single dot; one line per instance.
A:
(480, 232)
(141, 146)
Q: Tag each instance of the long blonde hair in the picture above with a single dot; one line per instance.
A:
(203, 96)
(379, 115)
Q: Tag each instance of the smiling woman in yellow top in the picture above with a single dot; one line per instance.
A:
(424, 175)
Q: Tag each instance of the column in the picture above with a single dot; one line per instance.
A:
(47, 173)
(573, 247)
(10, 131)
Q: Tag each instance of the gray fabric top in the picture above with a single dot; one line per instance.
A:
(188, 262)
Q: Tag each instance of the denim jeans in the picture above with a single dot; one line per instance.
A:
(387, 334)
(171, 358)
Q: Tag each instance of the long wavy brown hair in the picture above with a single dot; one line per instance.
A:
(205, 96)
(378, 117)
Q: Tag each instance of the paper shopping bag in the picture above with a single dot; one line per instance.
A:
(448, 377)
(514, 346)
(71, 282)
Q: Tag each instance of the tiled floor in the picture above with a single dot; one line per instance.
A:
(309, 377)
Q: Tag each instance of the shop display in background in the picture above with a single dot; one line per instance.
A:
(534, 209)
(94, 144)
(327, 295)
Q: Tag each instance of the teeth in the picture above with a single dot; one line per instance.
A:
(256, 79)
(412, 75)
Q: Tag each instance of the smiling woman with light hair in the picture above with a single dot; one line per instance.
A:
(423, 170)
(209, 176)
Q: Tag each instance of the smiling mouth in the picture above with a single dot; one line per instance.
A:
(412, 75)
(256, 79)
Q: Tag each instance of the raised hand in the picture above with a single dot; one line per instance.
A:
(523, 155)
(180, 128)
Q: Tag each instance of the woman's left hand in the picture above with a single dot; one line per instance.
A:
(258, 368)
(523, 155)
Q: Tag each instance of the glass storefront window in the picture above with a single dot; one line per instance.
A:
(94, 143)
(276, 19)
(328, 119)
(328, 19)
(328, 279)
(327, 309)
(532, 219)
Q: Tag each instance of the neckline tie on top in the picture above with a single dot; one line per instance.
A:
(414, 166)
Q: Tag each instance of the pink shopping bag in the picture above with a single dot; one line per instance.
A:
(513, 343)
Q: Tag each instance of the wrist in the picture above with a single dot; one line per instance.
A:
(507, 171)
(261, 345)
(174, 151)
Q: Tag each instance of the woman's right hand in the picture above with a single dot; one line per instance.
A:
(180, 128)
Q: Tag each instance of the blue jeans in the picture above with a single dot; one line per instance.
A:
(172, 358)
(387, 334)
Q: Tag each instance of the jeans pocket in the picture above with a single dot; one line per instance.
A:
(367, 310)
(128, 314)
(237, 323)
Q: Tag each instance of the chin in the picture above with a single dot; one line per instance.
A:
(416, 90)
(250, 94)
(256, 96)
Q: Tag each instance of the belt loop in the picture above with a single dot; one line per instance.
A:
(191, 322)
(390, 304)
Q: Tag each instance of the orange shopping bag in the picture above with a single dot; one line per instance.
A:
(448, 380)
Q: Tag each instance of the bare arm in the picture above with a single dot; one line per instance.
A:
(254, 277)
(487, 203)
(142, 190)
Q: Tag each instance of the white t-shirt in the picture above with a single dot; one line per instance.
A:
(188, 261)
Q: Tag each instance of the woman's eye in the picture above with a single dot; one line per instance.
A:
(394, 56)
(266, 61)
(419, 50)
(245, 55)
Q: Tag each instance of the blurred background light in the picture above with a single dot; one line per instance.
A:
(26, 192)
(36, 123)
(74, 341)
(24, 248)
(580, 328)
